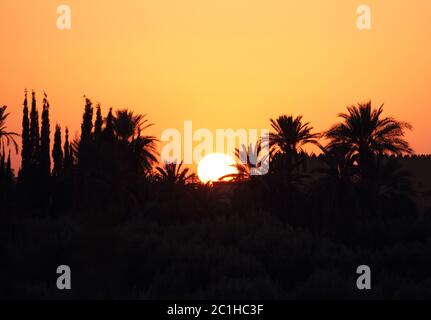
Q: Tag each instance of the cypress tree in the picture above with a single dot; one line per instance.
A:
(45, 158)
(57, 153)
(98, 124)
(25, 136)
(68, 162)
(86, 129)
(34, 136)
(68, 173)
(108, 132)
(87, 121)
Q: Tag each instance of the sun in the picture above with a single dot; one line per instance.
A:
(214, 166)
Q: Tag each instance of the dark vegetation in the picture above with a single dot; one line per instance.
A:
(132, 228)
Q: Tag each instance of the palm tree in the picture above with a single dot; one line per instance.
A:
(287, 159)
(251, 162)
(367, 134)
(332, 196)
(286, 146)
(127, 125)
(291, 134)
(286, 149)
(173, 173)
(144, 150)
(6, 137)
(251, 188)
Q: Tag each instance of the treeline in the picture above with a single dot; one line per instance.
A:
(95, 170)
(105, 207)
(111, 169)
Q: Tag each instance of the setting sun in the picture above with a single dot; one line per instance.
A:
(215, 166)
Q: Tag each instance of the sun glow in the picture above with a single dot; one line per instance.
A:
(215, 166)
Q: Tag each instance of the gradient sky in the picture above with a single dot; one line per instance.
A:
(222, 64)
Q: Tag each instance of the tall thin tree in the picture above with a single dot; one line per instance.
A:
(57, 153)
(98, 123)
(68, 160)
(45, 157)
(86, 134)
(25, 136)
(108, 131)
(34, 139)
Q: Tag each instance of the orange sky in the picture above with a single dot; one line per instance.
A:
(224, 63)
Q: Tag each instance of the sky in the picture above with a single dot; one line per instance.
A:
(221, 64)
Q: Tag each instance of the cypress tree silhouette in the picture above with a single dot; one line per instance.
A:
(25, 148)
(108, 132)
(86, 134)
(34, 139)
(63, 173)
(98, 123)
(57, 153)
(45, 158)
(87, 121)
(68, 160)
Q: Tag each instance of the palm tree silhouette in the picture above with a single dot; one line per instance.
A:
(173, 191)
(6, 137)
(367, 134)
(128, 128)
(288, 161)
(332, 196)
(250, 158)
(291, 134)
(173, 173)
(286, 145)
(249, 183)
(286, 148)
(144, 150)
(127, 124)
